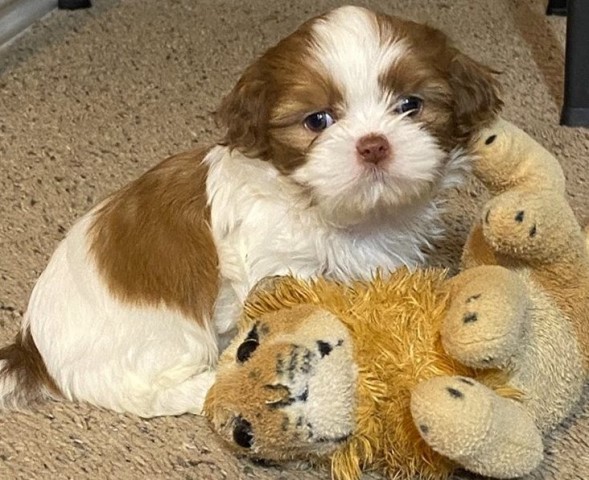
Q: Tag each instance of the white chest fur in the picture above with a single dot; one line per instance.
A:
(262, 226)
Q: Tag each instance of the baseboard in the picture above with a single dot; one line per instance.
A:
(18, 15)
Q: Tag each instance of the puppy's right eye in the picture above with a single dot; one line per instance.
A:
(242, 433)
(410, 105)
(319, 121)
(245, 350)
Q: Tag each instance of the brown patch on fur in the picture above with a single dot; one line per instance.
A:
(152, 240)
(24, 364)
(460, 95)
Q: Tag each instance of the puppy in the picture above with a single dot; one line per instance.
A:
(336, 143)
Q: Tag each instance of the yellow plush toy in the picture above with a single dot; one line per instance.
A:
(417, 373)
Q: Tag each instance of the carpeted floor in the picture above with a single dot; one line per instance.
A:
(90, 99)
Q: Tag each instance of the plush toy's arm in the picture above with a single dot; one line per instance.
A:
(515, 320)
(528, 219)
(505, 157)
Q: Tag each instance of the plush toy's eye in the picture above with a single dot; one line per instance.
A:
(242, 433)
(245, 350)
(249, 345)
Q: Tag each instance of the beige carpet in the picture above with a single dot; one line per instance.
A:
(90, 99)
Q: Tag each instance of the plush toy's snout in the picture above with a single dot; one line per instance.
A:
(298, 375)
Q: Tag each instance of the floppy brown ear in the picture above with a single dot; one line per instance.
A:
(244, 114)
(476, 92)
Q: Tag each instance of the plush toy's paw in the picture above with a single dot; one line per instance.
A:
(473, 426)
(453, 414)
(506, 157)
(493, 140)
(486, 319)
(530, 226)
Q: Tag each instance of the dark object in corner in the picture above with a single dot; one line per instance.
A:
(73, 4)
(575, 109)
(556, 7)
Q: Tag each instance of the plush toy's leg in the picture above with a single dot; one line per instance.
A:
(487, 316)
(473, 426)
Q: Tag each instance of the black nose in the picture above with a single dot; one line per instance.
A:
(242, 433)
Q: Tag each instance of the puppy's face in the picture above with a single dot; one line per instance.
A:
(360, 110)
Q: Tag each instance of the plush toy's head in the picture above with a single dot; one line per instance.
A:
(274, 381)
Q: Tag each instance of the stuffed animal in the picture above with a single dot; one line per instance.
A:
(416, 372)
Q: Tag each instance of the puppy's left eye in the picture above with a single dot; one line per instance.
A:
(410, 105)
(319, 121)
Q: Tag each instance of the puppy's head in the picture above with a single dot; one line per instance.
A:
(361, 110)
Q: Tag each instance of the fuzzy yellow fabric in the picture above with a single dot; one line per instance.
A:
(395, 324)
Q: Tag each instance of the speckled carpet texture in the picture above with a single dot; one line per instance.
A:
(89, 99)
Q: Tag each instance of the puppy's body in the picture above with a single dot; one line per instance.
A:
(337, 142)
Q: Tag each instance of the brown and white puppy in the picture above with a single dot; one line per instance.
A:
(336, 142)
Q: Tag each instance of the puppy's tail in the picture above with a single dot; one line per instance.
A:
(24, 380)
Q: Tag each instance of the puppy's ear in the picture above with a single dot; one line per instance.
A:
(244, 113)
(476, 92)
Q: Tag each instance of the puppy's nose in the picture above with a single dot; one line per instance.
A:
(373, 148)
